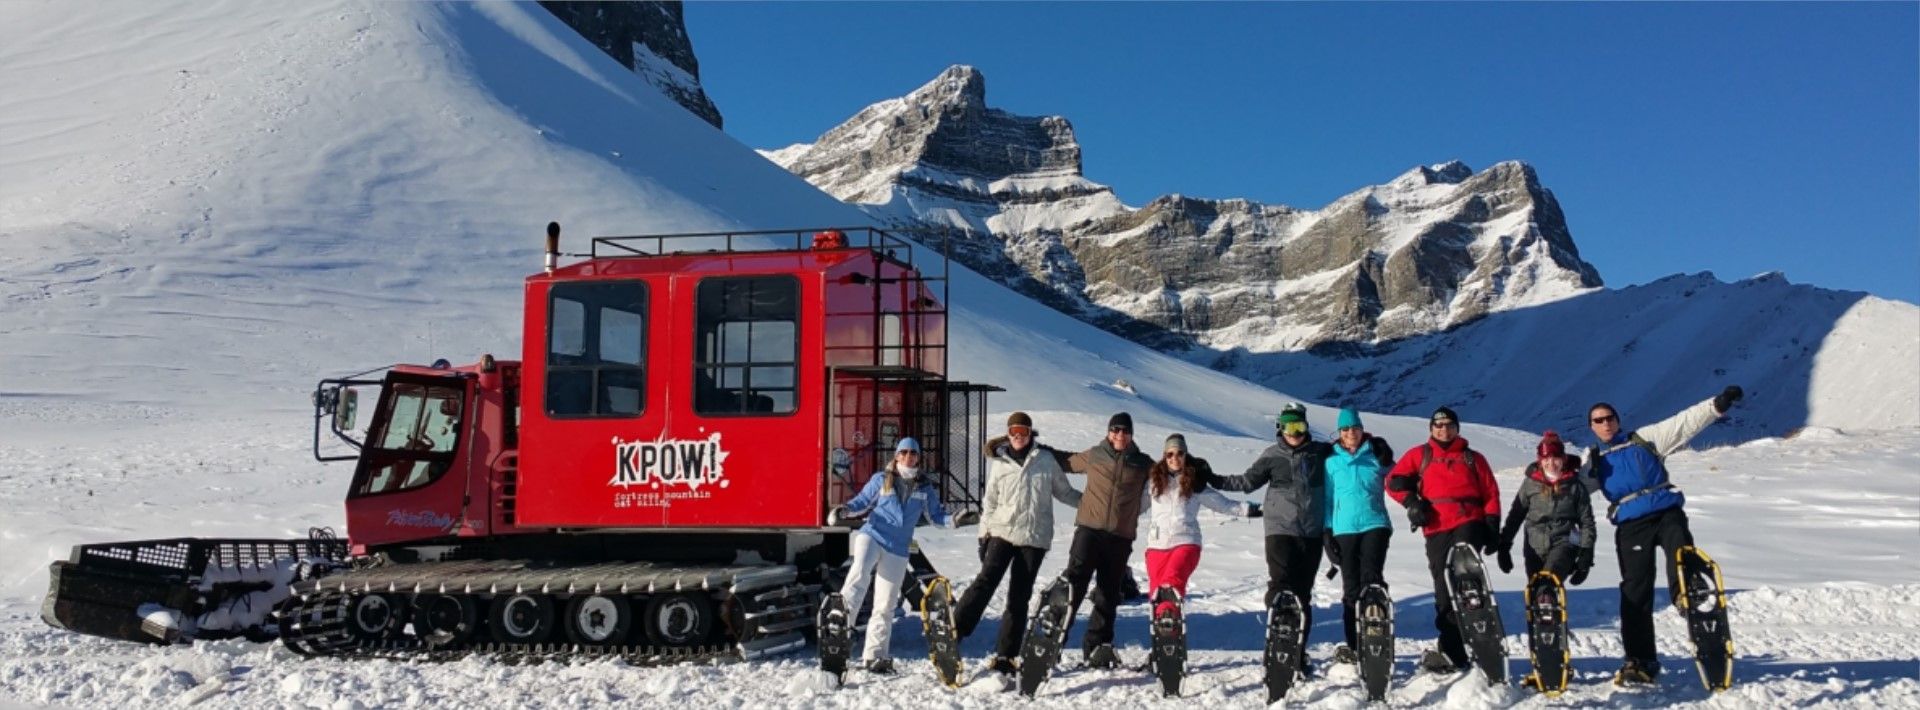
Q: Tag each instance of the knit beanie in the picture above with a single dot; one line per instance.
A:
(1019, 419)
(1348, 418)
(1444, 415)
(1122, 420)
(1175, 442)
(1551, 446)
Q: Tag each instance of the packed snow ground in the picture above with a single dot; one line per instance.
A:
(205, 208)
(1813, 532)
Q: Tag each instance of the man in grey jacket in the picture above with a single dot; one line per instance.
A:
(1016, 528)
(1294, 470)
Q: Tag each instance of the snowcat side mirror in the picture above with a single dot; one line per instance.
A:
(346, 405)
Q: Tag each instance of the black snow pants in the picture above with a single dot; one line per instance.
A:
(1559, 561)
(1292, 563)
(1635, 540)
(1362, 558)
(1001, 555)
(1101, 557)
(1481, 536)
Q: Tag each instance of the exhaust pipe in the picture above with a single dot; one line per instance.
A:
(553, 246)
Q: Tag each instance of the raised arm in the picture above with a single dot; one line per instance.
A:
(936, 511)
(1257, 475)
(863, 502)
(1675, 431)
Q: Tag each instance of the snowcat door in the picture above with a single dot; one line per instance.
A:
(410, 483)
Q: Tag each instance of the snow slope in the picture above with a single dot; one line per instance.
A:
(204, 208)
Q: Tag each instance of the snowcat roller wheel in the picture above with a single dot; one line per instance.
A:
(598, 620)
(678, 619)
(372, 617)
(520, 618)
(445, 620)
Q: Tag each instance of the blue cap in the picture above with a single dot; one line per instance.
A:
(907, 444)
(1348, 418)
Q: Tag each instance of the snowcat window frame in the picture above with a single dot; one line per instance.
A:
(398, 470)
(726, 355)
(584, 373)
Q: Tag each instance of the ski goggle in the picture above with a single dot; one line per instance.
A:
(1017, 430)
(1294, 428)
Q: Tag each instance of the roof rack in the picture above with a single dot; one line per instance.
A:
(629, 247)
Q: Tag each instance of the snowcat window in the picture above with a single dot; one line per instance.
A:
(419, 426)
(597, 349)
(746, 345)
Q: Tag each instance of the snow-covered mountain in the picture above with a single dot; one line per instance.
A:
(1435, 247)
(1441, 286)
(649, 37)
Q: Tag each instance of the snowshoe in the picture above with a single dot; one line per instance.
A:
(1375, 628)
(1041, 650)
(1286, 644)
(1476, 612)
(1169, 641)
(1547, 634)
(836, 637)
(1703, 599)
(936, 619)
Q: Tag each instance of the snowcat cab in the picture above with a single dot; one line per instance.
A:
(651, 478)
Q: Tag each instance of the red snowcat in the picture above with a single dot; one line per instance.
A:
(650, 479)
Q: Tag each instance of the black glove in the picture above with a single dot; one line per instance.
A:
(1727, 397)
(1506, 560)
(1253, 510)
(983, 550)
(1419, 512)
(1330, 545)
(1490, 533)
(1582, 564)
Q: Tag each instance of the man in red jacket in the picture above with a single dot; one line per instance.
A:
(1448, 490)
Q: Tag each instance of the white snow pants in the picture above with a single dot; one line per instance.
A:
(888, 569)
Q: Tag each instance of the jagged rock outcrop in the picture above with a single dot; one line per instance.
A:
(648, 37)
(1435, 247)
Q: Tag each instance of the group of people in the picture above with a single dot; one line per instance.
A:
(1323, 499)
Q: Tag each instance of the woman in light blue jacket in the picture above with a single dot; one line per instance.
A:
(893, 501)
(1357, 523)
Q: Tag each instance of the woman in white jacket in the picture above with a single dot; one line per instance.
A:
(1024, 478)
(1176, 488)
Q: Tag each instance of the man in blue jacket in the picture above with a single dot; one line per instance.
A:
(1630, 469)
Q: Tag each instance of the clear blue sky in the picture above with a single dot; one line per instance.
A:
(1733, 138)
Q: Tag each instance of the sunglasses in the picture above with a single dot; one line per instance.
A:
(1445, 425)
(1119, 430)
(908, 452)
(1350, 428)
(1176, 454)
(1605, 419)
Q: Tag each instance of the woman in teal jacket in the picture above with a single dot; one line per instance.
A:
(1357, 523)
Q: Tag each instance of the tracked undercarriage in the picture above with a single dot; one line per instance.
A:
(645, 612)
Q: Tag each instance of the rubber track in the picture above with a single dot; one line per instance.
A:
(777, 609)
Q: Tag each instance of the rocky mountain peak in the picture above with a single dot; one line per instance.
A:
(1435, 247)
(649, 38)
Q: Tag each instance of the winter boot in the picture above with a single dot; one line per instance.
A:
(1433, 661)
(1344, 654)
(1102, 657)
(1637, 672)
(1003, 665)
(880, 666)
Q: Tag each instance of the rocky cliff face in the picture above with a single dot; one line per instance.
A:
(648, 37)
(1433, 248)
